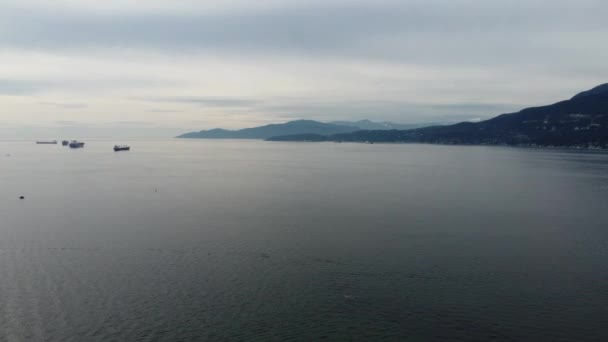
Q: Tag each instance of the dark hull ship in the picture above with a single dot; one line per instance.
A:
(76, 144)
(121, 148)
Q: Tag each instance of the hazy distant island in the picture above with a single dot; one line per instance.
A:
(297, 127)
(580, 122)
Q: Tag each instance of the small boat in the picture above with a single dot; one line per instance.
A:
(121, 148)
(65, 143)
(47, 142)
(76, 144)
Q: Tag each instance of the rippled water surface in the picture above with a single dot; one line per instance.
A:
(249, 240)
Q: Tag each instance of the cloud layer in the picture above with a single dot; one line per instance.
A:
(232, 64)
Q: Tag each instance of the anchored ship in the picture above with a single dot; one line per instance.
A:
(76, 144)
(121, 148)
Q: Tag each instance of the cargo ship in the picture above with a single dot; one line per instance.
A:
(76, 144)
(121, 148)
(47, 142)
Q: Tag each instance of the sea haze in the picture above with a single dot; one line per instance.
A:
(249, 240)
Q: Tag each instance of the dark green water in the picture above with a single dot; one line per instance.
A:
(249, 240)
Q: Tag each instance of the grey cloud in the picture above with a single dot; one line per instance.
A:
(441, 31)
(67, 123)
(164, 111)
(131, 123)
(126, 123)
(26, 87)
(210, 101)
(65, 105)
(20, 87)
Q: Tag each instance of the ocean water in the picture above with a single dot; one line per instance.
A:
(198, 240)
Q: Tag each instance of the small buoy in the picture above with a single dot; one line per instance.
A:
(21, 197)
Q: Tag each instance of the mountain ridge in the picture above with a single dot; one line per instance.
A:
(294, 127)
(384, 125)
(581, 121)
(602, 88)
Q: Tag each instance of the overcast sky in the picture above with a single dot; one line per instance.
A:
(161, 67)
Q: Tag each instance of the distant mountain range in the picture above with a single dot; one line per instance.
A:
(385, 125)
(581, 121)
(297, 127)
